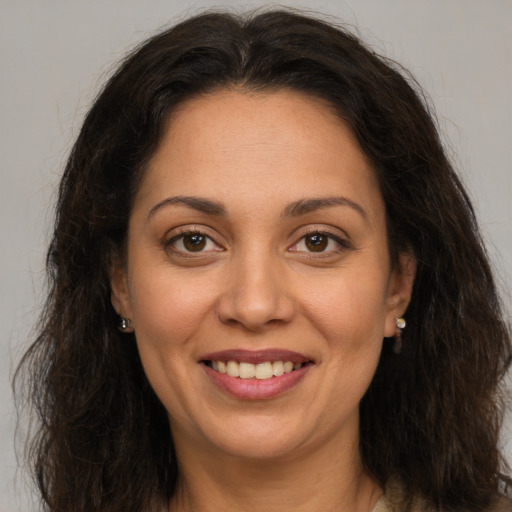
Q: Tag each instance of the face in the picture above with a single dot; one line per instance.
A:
(258, 277)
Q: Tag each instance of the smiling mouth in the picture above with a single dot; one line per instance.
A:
(261, 371)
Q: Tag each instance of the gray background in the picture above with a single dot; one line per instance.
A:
(54, 56)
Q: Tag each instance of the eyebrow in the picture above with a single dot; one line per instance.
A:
(197, 203)
(303, 206)
(295, 209)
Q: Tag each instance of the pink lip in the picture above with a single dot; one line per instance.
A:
(255, 389)
(256, 356)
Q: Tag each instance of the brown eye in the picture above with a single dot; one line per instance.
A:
(194, 242)
(191, 244)
(321, 243)
(316, 242)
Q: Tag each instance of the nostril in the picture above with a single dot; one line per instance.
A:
(255, 311)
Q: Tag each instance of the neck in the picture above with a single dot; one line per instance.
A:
(328, 478)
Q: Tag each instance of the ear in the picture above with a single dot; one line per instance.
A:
(399, 291)
(120, 296)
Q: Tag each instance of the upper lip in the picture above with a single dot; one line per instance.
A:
(256, 356)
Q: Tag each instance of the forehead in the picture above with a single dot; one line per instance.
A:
(236, 119)
(284, 144)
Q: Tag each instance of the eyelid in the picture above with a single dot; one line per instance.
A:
(338, 235)
(175, 234)
(323, 229)
(342, 240)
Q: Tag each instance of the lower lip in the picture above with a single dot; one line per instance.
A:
(256, 389)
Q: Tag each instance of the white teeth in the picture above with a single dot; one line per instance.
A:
(233, 369)
(261, 371)
(278, 368)
(264, 371)
(247, 371)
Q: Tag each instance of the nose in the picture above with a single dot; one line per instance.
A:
(256, 295)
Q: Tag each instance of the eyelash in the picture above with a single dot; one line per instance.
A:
(341, 243)
(169, 244)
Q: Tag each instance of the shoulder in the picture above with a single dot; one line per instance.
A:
(503, 505)
(394, 501)
(384, 505)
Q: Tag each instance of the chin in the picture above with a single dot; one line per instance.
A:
(262, 448)
(258, 438)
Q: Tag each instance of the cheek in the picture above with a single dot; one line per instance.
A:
(168, 314)
(350, 310)
(168, 310)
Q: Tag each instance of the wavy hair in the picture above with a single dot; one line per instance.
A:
(432, 414)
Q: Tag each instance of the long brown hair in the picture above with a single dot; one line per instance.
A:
(432, 414)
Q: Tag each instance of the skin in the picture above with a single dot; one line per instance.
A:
(256, 284)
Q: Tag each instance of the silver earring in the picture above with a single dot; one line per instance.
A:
(397, 345)
(124, 324)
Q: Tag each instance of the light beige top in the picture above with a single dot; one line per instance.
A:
(381, 506)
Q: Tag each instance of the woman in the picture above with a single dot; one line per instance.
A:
(268, 289)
